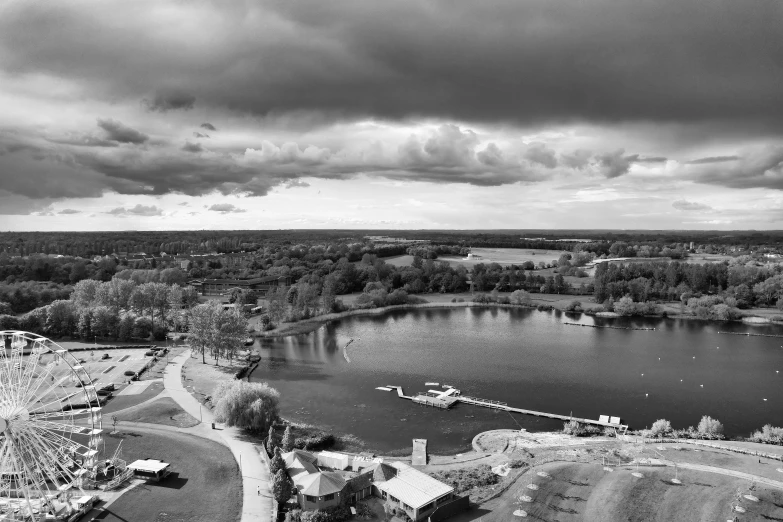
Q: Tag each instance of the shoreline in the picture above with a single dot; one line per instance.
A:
(312, 324)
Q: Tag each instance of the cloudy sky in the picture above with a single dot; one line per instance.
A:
(231, 114)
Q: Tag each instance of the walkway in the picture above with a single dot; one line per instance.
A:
(255, 474)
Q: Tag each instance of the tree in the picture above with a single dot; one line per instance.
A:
(625, 306)
(5, 308)
(710, 428)
(189, 297)
(287, 444)
(520, 297)
(281, 487)
(248, 405)
(277, 463)
(661, 428)
(201, 328)
(85, 292)
(271, 441)
(125, 331)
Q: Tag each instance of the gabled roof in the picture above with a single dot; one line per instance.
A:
(413, 487)
(322, 483)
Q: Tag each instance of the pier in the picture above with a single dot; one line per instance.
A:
(447, 398)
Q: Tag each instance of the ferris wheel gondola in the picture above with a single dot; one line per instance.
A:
(50, 428)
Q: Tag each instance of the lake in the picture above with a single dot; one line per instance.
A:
(529, 359)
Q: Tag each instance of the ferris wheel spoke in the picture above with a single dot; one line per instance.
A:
(34, 387)
(65, 428)
(55, 401)
(49, 463)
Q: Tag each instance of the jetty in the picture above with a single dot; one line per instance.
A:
(445, 399)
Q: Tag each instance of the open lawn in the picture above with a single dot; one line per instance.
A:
(505, 256)
(585, 492)
(201, 379)
(205, 484)
(161, 411)
(121, 402)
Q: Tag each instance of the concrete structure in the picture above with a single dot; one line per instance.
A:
(414, 492)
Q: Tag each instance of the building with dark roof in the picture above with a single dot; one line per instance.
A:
(261, 285)
(402, 487)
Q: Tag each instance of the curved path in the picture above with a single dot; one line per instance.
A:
(731, 473)
(255, 475)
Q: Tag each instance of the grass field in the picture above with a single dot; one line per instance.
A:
(161, 411)
(585, 492)
(205, 485)
(505, 256)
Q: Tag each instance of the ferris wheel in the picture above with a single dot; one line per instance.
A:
(50, 428)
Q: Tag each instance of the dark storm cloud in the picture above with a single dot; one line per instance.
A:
(521, 60)
(758, 168)
(615, 164)
(712, 159)
(682, 204)
(170, 100)
(541, 154)
(208, 126)
(116, 131)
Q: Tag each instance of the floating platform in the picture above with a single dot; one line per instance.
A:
(383, 388)
(448, 398)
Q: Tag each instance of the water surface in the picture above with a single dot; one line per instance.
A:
(529, 359)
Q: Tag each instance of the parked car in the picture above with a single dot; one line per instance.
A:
(104, 356)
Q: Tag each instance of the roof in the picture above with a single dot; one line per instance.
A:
(322, 483)
(360, 482)
(148, 465)
(383, 472)
(413, 487)
(299, 465)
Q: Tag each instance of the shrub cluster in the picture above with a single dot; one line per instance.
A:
(466, 479)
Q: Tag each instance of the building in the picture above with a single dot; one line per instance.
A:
(328, 479)
(261, 285)
(150, 469)
(414, 492)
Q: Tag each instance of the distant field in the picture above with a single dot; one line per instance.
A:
(506, 256)
(405, 260)
(708, 258)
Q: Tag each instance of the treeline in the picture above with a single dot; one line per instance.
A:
(737, 285)
(118, 309)
(381, 284)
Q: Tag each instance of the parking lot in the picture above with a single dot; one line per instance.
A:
(112, 370)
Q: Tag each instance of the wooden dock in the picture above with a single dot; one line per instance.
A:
(451, 396)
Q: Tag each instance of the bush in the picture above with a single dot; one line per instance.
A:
(578, 429)
(661, 428)
(769, 434)
(9, 322)
(159, 333)
(517, 463)
(142, 328)
(317, 442)
(248, 405)
(467, 478)
(574, 306)
(483, 299)
(710, 428)
(129, 373)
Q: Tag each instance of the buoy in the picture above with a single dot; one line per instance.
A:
(694, 356)
(646, 394)
(765, 399)
(680, 380)
(701, 385)
(642, 375)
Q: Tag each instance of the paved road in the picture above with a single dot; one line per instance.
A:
(255, 475)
